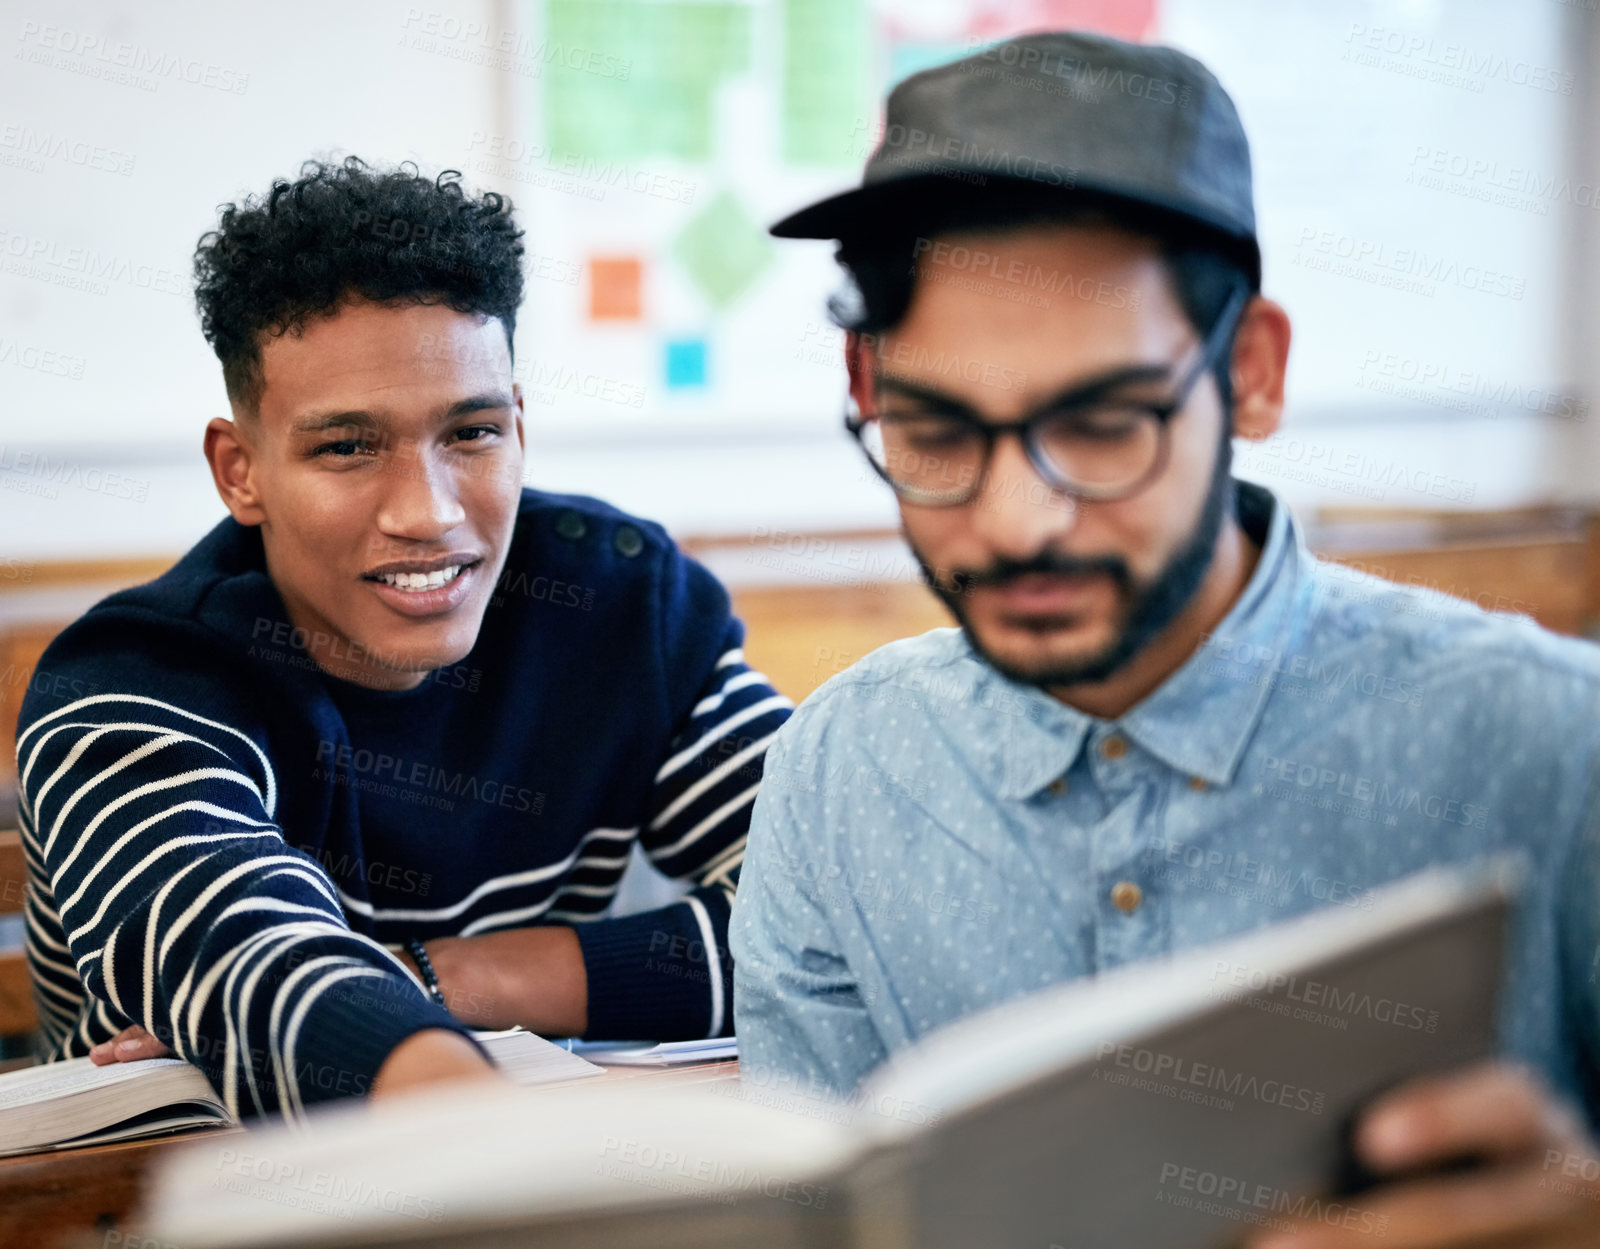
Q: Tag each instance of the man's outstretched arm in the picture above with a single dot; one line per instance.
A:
(151, 838)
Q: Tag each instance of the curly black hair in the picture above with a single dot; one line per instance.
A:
(342, 230)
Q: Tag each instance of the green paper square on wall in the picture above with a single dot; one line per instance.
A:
(723, 249)
(631, 79)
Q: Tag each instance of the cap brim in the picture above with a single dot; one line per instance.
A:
(856, 211)
(867, 209)
(881, 206)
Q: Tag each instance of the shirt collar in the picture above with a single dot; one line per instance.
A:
(1200, 719)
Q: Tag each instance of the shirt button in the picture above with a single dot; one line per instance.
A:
(1126, 896)
(1197, 783)
(1114, 747)
(628, 541)
(570, 526)
(1058, 786)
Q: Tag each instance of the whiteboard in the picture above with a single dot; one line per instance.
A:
(792, 117)
(1410, 186)
(1408, 141)
(1411, 196)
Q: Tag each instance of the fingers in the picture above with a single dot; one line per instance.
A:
(1493, 1110)
(129, 1045)
(1514, 1205)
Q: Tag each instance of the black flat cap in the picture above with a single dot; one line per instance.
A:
(1094, 117)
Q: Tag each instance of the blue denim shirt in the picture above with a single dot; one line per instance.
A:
(932, 839)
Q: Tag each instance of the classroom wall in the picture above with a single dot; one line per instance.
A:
(237, 95)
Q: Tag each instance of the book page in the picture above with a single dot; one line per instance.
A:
(513, 1154)
(32, 1085)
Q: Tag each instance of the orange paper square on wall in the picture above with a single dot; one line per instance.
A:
(614, 283)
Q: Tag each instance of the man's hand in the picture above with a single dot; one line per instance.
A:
(428, 1057)
(432, 1056)
(129, 1045)
(1536, 1182)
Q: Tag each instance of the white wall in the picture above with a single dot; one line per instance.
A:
(323, 78)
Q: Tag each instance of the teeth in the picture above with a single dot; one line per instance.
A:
(415, 581)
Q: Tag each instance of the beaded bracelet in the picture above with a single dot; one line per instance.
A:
(430, 978)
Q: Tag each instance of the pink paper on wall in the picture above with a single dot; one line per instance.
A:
(989, 20)
(1126, 19)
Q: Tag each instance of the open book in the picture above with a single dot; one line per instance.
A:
(1180, 1103)
(66, 1104)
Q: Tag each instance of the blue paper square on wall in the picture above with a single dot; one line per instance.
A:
(686, 362)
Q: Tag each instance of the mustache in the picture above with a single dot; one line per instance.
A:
(1003, 571)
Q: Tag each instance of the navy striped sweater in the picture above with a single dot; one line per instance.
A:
(221, 839)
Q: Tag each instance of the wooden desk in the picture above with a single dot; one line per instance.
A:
(47, 1198)
(48, 1201)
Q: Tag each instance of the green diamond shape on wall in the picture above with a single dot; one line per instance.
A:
(724, 249)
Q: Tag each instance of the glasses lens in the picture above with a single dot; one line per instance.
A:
(925, 457)
(1103, 449)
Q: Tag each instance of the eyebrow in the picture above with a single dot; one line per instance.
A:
(317, 422)
(1095, 386)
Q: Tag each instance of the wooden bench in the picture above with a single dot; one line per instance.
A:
(1541, 562)
(17, 1016)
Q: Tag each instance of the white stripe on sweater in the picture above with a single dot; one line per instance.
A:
(705, 825)
(186, 985)
(721, 869)
(712, 701)
(190, 913)
(271, 802)
(710, 780)
(128, 877)
(275, 1022)
(330, 919)
(266, 953)
(713, 963)
(497, 883)
(720, 730)
(127, 760)
(152, 928)
(352, 968)
(153, 787)
(111, 852)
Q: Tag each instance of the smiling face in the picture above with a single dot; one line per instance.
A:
(1052, 590)
(384, 468)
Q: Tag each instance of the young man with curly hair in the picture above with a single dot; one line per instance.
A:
(365, 768)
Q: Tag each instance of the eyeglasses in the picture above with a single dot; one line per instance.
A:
(1092, 446)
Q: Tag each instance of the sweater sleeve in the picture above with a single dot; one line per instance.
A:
(164, 893)
(666, 974)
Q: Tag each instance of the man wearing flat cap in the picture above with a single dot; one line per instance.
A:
(1161, 722)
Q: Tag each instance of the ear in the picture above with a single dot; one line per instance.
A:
(1260, 360)
(517, 406)
(231, 457)
(860, 362)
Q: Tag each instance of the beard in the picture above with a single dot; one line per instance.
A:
(1148, 606)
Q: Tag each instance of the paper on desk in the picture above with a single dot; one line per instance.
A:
(527, 1058)
(656, 1054)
